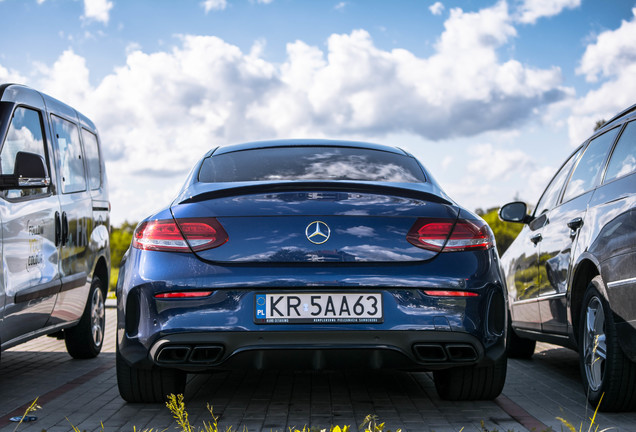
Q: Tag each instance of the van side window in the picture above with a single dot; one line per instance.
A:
(623, 160)
(25, 134)
(91, 150)
(585, 175)
(70, 155)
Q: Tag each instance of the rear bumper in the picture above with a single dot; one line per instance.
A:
(219, 331)
(405, 350)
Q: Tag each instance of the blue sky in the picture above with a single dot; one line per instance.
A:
(490, 95)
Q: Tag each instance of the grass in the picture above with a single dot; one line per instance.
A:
(176, 405)
(371, 423)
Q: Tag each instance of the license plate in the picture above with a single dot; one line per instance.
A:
(318, 308)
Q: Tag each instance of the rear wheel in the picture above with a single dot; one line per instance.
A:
(471, 382)
(606, 372)
(518, 347)
(148, 385)
(85, 340)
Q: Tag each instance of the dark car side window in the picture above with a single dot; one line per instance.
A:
(25, 134)
(585, 175)
(91, 150)
(551, 193)
(70, 155)
(623, 159)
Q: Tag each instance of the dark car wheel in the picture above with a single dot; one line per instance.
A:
(605, 369)
(148, 385)
(471, 382)
(518, 347)
(85, 340)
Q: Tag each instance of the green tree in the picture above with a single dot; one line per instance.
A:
(505, 232)
(599, 124)
(120, 239)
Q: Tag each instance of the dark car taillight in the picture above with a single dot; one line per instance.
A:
(443, 235)
(167, 235)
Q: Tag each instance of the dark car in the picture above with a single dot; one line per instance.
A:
(54, 219)
(311, 254)
(571, 272)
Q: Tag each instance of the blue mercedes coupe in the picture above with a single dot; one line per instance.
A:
(311, 254)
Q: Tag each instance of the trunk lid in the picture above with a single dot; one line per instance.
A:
(315, 222)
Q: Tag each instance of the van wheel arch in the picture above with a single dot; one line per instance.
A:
(101, 272)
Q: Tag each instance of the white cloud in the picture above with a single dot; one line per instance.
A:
(612, 51)
(10, 76)
(209, 5)
(97, 10)
(67, 79)
(132, 47)
(159, 112)
(490, 163)
(531, 10)
(264, 1)
(340, 6)
(612, 57)
(447, 161)
(496, 174)
(436, 8)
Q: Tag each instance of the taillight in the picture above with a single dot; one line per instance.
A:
(443, 235)
(446, 293)
(183, 294)
(168, 235)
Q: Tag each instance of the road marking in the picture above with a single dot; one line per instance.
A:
(521, 416)
(57, 392)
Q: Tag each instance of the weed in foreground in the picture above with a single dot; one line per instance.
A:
(32, 408)
(591, 427)
(371, 423)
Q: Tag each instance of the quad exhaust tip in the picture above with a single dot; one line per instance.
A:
(195, 355)
(437, 353)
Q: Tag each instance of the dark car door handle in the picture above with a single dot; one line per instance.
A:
(575, 223)
(536, 238)
(58, 229)
(64, 228)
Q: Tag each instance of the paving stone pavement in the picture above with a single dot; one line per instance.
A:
(84, 393)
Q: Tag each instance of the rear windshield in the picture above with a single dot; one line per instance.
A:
(311, 163)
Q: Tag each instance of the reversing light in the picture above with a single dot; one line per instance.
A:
(446, 293)
(183, 294)
(443, 235)
(182, 235)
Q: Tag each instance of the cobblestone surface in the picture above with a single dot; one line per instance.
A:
(84, 393)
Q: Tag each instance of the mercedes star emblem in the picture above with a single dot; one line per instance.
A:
(317, 232)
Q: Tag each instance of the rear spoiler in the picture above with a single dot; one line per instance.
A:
(313, 186)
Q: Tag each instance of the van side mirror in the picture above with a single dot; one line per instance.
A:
(29, 172)
(515, 212)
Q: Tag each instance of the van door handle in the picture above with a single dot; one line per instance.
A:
(575, 223)
(536, 238)
(64, 229)
(58, 229)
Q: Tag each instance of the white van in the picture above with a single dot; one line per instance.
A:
(55, 223)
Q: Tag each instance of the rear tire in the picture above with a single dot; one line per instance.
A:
(518, 347)
(85, 340)
(148, 385)
(466, 383)
(605, 370)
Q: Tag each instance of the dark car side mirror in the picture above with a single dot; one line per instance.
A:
(29, 172)
(515, 212)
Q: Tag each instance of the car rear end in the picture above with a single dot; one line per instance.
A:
(312, 273)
